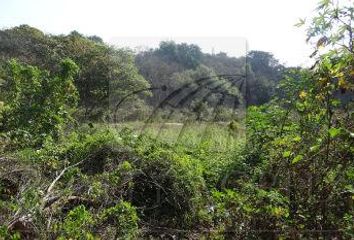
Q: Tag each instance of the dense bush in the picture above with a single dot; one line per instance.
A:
(105, 181)
(37, 104)
(168, 186)
(250, 213)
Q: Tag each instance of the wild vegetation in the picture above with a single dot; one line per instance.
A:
(91, 149)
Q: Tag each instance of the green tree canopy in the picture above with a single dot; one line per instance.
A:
(37, 104)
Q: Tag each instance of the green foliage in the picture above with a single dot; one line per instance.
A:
(292, 179)
(76, 224)
(5, 234)
(165, 66)
(104, 70)
(124, 218)
(264, 73)
(168, 186)
(37, 104)
(184, 54)
(249, 212)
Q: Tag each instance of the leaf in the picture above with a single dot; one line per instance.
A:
(333, 132)
(297, 139)
(302, 94)
(314, 148)
(301, 22)
(286, 154)
(322, 42)
(313, 54)
(297, 159)
(335, 103)
(323, 4)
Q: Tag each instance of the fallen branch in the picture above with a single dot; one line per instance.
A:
(51, 186)
(47, 201)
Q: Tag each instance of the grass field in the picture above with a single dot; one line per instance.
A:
(214, 136)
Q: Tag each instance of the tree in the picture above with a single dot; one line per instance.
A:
(101, 66)
(37, 104)
(263, 75)
(188, 55)
(303, 142)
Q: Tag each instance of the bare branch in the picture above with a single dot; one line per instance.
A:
(51, 186)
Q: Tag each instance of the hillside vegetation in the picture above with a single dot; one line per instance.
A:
(101, 142)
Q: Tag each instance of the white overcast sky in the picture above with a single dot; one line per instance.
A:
(222, 25)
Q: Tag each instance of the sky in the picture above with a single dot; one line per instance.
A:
(231, 26)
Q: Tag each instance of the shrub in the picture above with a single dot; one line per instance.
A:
(123, 218)
(76, 225)
(250, 213)
(168, 187)
(37, 104)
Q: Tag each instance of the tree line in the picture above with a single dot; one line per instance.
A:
(108, 73)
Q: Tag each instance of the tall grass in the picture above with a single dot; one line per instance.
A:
(214, 136)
